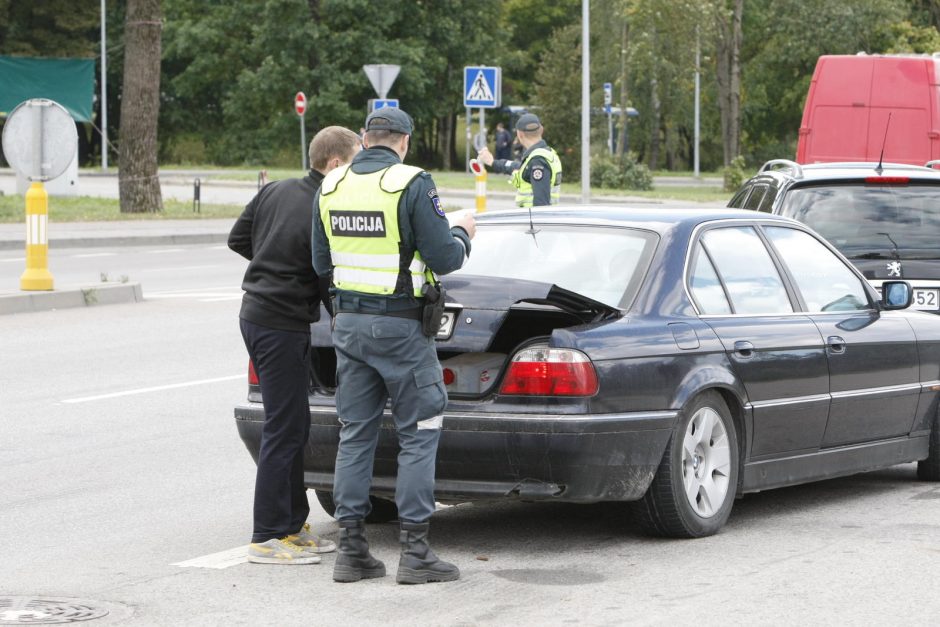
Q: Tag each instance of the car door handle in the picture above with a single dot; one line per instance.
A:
(836, 344)
(744, 348)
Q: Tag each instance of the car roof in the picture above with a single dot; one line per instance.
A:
(654, 218)
(844, 170)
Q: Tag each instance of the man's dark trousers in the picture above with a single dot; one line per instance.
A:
(281, 360)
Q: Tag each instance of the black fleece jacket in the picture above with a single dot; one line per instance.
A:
(281, 289)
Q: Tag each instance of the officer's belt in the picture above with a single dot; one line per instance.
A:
(343, 303)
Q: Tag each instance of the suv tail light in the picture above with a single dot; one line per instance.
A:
(887, 180)
(544, 371)
(252, 375)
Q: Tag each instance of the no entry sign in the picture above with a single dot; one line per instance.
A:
(300, 103)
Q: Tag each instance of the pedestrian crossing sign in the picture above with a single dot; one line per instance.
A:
(482, 87)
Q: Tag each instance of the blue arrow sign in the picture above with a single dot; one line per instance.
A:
(377, 103)
(482, 87)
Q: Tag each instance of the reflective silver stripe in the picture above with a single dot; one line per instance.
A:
(377, 278)
(365, 260)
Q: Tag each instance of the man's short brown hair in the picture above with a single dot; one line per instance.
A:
(330, 142)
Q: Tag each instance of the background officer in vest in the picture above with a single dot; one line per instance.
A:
(380, 227)
(537, 177)
(282, 297)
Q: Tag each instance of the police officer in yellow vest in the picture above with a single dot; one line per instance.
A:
(379, 227)
(537, 177)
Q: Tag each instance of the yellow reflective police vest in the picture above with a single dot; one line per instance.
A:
(360, 217)
(524, 193)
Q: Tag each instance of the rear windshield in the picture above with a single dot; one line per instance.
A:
(605, 264)
(872, 222)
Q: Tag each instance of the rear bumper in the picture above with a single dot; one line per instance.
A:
(575, 458)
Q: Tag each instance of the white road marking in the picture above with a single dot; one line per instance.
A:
(157, 388)
(221, 298)
(214, 265)
(13, 260)
(89, 255)
(222, 247)
(220, 560)
(164, 251)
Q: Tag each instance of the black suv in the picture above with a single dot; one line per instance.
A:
(885, 218)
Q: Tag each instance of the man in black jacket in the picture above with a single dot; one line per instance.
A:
(282, 297)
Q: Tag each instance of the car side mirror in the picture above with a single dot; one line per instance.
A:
(896, 295)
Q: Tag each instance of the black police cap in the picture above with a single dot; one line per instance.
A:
(528, 122)
(390, 119)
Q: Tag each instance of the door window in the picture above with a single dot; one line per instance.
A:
(706, 288)
(747, 271)
(824, 280)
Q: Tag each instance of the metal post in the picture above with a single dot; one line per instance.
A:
(197, 193)
(698, 73)
(303, 144)
(103, 105)
(483, 125)
(585, 102)
(469, 139)
(610, 131)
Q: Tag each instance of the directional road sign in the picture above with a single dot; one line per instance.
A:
(378, 103)
(482, 87)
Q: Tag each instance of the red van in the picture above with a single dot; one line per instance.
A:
(849, 100)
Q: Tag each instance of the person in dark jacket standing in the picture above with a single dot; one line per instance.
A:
(503, 142)
(282, 297)
(537, 175)
(381, 230)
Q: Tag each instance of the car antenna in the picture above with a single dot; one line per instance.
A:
(881, 157)
(532, 230)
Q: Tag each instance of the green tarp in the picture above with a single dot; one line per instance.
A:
(70, 82)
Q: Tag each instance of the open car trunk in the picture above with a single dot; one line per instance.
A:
(487, 320)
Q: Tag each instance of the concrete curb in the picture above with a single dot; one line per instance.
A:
(92, 295)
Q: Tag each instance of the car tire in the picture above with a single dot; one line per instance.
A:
(694, 488)
(383, 510)
(929, 469)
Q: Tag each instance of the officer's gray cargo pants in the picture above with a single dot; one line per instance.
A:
(377, 358)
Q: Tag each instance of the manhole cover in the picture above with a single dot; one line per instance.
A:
(48, 611)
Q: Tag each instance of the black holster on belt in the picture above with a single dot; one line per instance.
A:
(433, 313)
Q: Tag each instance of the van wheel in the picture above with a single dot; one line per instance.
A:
(383, 510)
(929, 469)
(693, 491)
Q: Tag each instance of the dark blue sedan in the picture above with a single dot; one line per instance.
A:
(674, 358)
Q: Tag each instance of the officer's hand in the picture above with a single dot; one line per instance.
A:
(465, 220)
(485, 156)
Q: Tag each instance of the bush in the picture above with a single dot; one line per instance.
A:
(185, 149)
(611, 172)
(735, 174)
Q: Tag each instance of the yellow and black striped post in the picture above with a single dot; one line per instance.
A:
(37, 276)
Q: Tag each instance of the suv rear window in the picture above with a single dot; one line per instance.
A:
(871, 222)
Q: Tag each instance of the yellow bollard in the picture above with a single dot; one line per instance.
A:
(479, 173)
(37, 276)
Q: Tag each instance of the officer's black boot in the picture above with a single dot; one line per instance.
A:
(353, 561)
(418, 563)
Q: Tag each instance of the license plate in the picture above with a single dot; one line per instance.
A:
(447, 324)
(925, 300)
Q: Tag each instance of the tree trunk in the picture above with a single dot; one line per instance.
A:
(655, 111)
(446, 136)
(622, 139)
(728, 68)
(140, 107)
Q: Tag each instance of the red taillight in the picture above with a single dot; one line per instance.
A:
(544, 371)
(449, 376)
(252, 375)
(887, 180)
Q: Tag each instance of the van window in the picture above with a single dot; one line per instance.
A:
(871, 222)
(767, 204)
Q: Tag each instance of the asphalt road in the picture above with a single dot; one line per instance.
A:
(119, 461)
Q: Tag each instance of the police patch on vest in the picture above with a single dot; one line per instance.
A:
(357, 223)
(537, 174)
